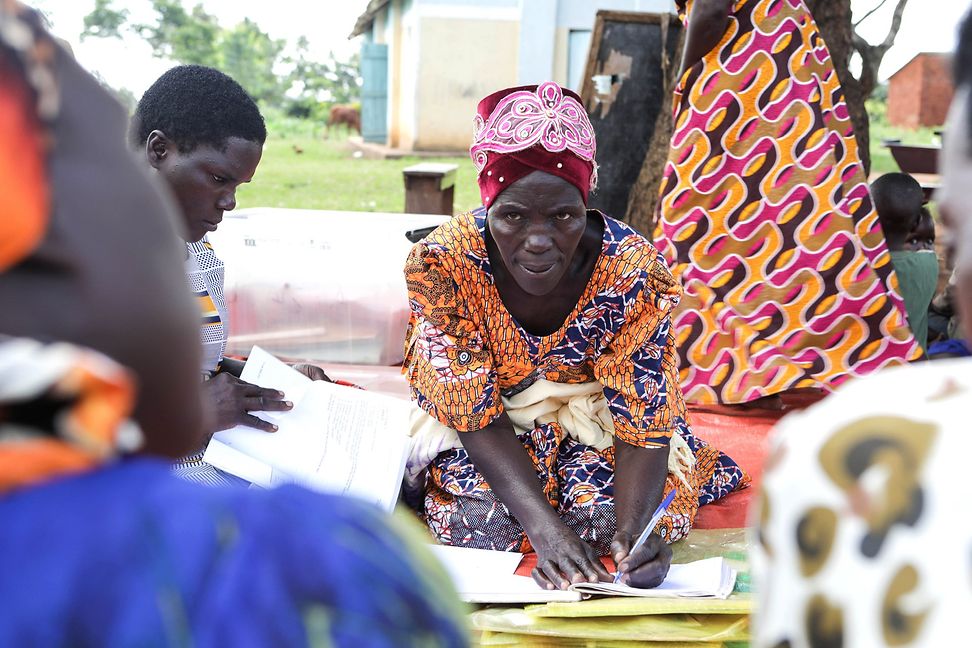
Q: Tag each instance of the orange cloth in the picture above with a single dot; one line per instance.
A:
(24, 197)
(464, 350)
(95, 394)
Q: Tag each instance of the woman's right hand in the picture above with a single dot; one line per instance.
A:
(563, 559)
(229, 401)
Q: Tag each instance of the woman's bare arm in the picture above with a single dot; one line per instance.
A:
(562, 557)
(707, 24)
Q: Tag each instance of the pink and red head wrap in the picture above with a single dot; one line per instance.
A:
(533, 128)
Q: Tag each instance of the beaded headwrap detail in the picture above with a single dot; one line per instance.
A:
(519, 130)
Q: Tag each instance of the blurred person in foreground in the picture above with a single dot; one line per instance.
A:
(863, 536)
(103, 548)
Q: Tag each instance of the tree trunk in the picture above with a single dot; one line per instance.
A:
(833, 18)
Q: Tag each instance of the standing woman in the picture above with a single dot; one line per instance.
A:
(540, 350)
(765, 215)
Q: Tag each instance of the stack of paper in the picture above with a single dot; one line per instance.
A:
(710, 578)
(335, 439)
(482, 576)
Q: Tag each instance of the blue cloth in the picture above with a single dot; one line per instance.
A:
(954, 347)
(130, 555)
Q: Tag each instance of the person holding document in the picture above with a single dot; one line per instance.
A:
(103, 547)
(203, 135)
(541, 352)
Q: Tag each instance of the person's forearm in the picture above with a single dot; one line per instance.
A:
(706, 25)
(503, 461)
(639, 482)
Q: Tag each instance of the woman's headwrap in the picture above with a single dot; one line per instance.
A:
(533, 128)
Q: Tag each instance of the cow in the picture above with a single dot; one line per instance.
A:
(347, 115)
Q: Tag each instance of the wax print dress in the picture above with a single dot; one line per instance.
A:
(465, 353)
(766, 220)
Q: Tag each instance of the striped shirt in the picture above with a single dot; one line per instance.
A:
(205, 273)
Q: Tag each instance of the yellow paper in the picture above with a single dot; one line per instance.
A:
(668, 627)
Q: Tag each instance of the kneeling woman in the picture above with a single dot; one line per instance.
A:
(540, 349)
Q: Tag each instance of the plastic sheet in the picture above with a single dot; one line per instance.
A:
(318, 285)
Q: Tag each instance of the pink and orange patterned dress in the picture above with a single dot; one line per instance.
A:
(464, 352)
(766, 219)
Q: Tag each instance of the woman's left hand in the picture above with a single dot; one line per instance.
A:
(312, 371)
(646, 566)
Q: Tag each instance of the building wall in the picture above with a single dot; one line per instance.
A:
(453, 79)
(919, 93)
(408, 70)
(937, 89)
(545, 32)
(445, 55)
(904, 96)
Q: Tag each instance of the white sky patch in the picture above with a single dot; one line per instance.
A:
(128, 63)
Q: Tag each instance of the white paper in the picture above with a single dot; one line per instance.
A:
(483, 576)
(335, 439)
(709, 578)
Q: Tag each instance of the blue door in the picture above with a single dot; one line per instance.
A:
(374, 92)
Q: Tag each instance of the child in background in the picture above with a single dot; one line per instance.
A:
(898, 199)
(922, 239)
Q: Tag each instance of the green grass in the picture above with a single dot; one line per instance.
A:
(325, 175)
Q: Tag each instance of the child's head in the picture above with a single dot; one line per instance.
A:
(897, 198)
(923, 237)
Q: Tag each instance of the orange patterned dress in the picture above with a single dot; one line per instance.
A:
(766, 219)
(465, 352)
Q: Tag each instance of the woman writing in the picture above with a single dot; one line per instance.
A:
(765, 215)
(541, 350)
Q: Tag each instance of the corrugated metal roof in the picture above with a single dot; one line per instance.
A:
(364, 20)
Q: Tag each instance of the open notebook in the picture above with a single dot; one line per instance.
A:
(482, 576)
(335, 439)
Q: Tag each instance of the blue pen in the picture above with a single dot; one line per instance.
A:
(652, 523)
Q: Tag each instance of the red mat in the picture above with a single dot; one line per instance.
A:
(743, 435)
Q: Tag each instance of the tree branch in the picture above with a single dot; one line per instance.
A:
(875, 53)
(895, 24)
(892, 30)
(869, 13)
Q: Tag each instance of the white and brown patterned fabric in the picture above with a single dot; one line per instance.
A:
(863, 536)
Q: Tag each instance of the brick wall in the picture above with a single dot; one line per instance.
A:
(919, 93)
(937, 90)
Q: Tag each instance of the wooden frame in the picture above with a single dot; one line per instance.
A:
(604, 16)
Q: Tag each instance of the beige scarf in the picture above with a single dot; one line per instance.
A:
(579, 408)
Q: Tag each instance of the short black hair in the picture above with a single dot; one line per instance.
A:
(197, 105)
(897, 198)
